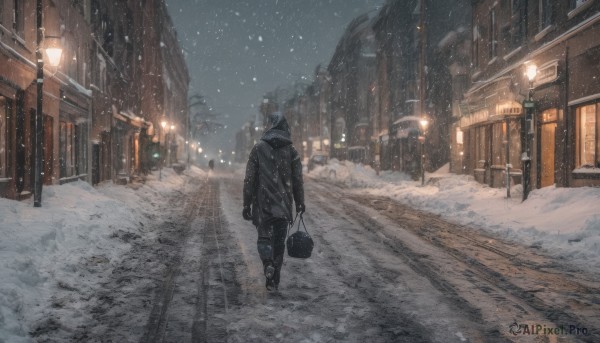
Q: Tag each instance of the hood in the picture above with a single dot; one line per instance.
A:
(279, 134)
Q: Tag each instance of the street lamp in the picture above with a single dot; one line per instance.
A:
(170, 143)
(529, 105)
(54, 54)
(423, 124)
(163, 124)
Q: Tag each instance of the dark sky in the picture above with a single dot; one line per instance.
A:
(238, 50)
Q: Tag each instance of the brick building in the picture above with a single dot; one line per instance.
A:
(560, 136)
(121, 73)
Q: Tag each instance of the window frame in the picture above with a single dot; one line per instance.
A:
(575, 9)
(475, 47)
(498, 131)
(67, 160)
(545, 14)
(493, 52)
(578, 3)
(2, 12)
(18, 24)
(518, 23)
(579, 140)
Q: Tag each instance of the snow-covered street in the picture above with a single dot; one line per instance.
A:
(182, 265)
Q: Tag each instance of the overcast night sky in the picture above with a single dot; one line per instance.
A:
(237, 50)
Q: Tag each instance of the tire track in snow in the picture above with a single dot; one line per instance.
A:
(485, 266)
(393, 268)
(552, 292)
(202, 282)
(156, 326)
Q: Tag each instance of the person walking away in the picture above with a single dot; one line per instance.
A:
(273, 181)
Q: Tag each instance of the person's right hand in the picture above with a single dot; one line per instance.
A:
(247, 213)
(300, 208)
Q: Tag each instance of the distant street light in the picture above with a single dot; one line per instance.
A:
(54, 53)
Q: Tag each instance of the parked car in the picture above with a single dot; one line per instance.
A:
(317, 159)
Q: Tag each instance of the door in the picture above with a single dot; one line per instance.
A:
(95, 164)
(547, 154)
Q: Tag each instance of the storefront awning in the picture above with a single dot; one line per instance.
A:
(490, 102)
(129, 118)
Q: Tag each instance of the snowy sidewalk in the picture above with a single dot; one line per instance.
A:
(562, 222)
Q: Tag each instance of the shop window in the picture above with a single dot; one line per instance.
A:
(81, 131)
(499, 144)
(586, 136)
(515, 143)
(480, 150)
(67, 151)
(4, 115)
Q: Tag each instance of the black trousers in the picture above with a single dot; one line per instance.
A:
(271, 244)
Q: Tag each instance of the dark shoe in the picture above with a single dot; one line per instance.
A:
(269, 271)
(271, 285)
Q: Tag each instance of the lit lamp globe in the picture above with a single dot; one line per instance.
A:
(531, 71)
(54, 54)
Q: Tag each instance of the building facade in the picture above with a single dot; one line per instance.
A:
(65, 99)
(551, 121)
(487, 118)
(100, 109)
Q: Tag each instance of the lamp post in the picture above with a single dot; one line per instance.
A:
(163, 125)
(423, 124)
(54, 54)
(529, 105)
(508, 165)
(170, 143)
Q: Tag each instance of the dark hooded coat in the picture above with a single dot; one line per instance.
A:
(273, 175)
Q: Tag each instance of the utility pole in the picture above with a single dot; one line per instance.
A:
(529, 107)
(39, 116)
(508, 165)
(422, 40)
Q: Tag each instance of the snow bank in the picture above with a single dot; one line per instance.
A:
(43, 248)
(564, 222)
